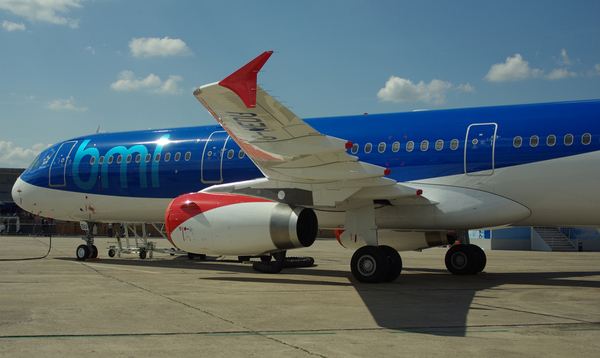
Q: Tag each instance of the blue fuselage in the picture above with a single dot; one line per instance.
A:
(417, 145)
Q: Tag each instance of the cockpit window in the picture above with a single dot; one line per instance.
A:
(35, 163)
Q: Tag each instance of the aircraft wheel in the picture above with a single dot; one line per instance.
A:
(82, 252)
(370, 264)
(481, 258)
(111, 253)
(395, 263)
(93, 252)
(461, 260)
(142, 254)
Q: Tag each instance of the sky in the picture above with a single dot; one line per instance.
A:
(68, 67)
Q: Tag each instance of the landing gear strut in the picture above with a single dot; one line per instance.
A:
(373, 264)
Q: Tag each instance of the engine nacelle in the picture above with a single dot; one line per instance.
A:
(230, 224)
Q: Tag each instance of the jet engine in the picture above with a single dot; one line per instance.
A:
(231, 224)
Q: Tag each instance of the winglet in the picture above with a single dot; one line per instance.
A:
(243, 81)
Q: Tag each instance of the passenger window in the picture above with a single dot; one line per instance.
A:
(138, 158)
(230, 153)
(355, 147)
(568, 139)
(517, 142)
(101, 161)
(454, 144)
(157, 157)
(167, 157)
(551, 141)
(110, 159)
(177, 156)
(534, 141)
(368, 147)
(439, 145)
(586, 139)
(92, 160)
(424, 145)
(395, 147)
(381, 147)
(410, 146)
(119, 159)
(188, 155)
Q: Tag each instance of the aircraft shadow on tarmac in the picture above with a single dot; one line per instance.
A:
(421, 300)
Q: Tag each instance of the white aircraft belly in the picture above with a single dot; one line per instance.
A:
(72, 206)
(559, 192)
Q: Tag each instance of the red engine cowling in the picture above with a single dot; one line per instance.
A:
(230, 224)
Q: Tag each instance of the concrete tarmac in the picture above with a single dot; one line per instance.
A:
(528, 304)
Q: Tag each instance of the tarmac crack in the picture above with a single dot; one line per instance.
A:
(245, 329)
(533, 313)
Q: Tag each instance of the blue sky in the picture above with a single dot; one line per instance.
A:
(69, 66)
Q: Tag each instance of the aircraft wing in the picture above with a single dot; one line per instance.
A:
(288, 151)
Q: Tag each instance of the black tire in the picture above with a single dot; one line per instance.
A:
(461, 260)
(82, 252)
(93, 252)
(395, 263)
(142, 254)
(111, 253)
(481, 258)
(191, 255)
(370, 264)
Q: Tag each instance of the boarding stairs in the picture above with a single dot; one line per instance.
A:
(554, 237)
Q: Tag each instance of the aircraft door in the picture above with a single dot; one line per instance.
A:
(58, 167)
(480, 144)
(212, 158)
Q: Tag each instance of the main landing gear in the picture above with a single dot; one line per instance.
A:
(465, 259)
(373, 264)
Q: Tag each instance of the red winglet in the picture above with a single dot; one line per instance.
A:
(243, 81)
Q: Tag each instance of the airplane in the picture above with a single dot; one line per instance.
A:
(263, 181)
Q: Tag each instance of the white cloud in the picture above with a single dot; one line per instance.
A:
(11, 26)
(595, 71)
(43, 10)
(91, 49)
(65, 105)
(403, 90)
(564, 59)
(559, 74)
(170, 86)
(148, 47)
(17, 157)
(128, 82)
(514, 69)
(466, 88)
